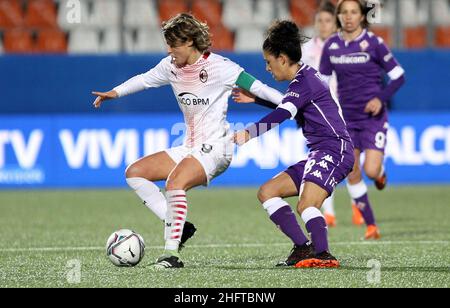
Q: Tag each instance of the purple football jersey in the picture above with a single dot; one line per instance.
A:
(359, 66)
(309, 101)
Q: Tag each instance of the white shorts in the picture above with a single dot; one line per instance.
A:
(215, 157)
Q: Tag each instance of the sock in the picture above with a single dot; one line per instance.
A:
(176, 217)
(284, 218)
(151, 195)
(328, 205)
(359, 195)
(317, 227)
(381, 172)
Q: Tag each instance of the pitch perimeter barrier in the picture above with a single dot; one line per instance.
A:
(61, 151)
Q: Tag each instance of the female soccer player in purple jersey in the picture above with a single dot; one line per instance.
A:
(330, 159)
(202, 82)
(359, 58)
(325, 26)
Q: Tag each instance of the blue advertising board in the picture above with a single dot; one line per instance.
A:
(61, 151)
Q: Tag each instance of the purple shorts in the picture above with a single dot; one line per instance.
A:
(324, 168)
(369, 134)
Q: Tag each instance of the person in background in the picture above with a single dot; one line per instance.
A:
(360, 59)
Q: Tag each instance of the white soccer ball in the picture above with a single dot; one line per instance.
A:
(125, 248)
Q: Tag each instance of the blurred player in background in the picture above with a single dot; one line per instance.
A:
(359, 58)
(202, 82)
(325, 26)
(331, 151)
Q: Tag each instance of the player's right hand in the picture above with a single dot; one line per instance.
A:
(242, 96)
(103, 96)
(241, 137)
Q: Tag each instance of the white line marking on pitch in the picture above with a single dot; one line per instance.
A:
(250, 245)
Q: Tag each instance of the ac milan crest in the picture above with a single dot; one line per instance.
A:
(203, 76)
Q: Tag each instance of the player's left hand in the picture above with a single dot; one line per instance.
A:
(242, 96)
(103, 96)
(374, 106)
(241, 137)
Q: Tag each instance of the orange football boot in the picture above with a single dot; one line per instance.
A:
(322, 260)
(372, 233)
(381, 182)
(330, 220)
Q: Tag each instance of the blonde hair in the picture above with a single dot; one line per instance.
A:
(184, 27)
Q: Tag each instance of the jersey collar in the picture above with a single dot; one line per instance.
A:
(360, 37)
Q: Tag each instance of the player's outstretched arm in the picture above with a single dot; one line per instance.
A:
(267, 123)
(257, 89)
(104, 96)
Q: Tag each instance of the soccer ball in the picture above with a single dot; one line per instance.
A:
(125, 248)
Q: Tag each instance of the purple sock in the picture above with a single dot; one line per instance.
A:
(285, 219)
(363, 205)
(318, 229)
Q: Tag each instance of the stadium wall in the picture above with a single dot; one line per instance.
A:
(87, 151)
(62, 84)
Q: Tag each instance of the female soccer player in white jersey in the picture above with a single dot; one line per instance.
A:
(360, 58)
(202, 82)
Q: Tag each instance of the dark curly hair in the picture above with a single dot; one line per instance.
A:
(184, 27)
(284, 37)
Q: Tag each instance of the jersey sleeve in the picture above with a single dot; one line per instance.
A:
(259, 89)
(230, 72)
(154, 78)
(392, 68)
(388, 62)
(325, 67)
(294, 100)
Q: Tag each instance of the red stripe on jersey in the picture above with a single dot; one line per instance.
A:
(181, 206)
(176, 230)
(175, 237)
(206, 55)
(180, 212)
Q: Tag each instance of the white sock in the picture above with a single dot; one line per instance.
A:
(311, 213)
(358, 190)
(273, 205)
(175, 218)
(381, 172)
(151, 195)
(328, 205)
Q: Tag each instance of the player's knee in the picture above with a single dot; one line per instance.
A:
(133, 171)
(372, 171)
(265, 193)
